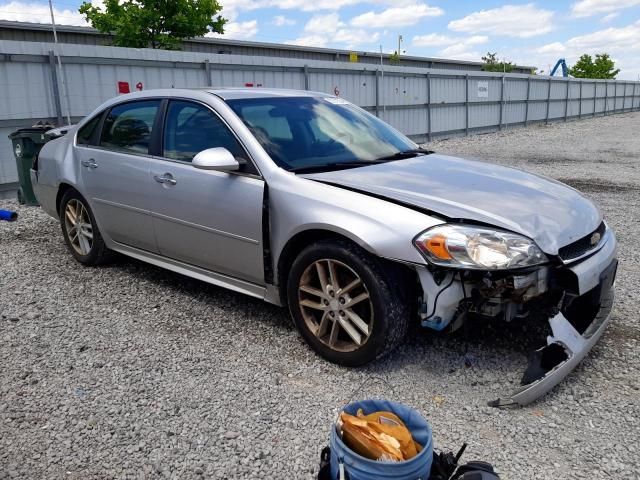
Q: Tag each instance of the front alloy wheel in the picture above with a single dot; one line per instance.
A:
(346, 303)
(336, 305)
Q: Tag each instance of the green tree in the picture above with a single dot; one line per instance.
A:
(603, 67)
(492, 64)
(154, 23)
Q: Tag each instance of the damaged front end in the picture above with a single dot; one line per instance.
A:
(574, 295)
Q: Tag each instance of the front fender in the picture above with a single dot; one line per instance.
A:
(381, 227)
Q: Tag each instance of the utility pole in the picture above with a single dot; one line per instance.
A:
(61, 72)
(399, 45)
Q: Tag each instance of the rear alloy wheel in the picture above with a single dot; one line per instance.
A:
(80, 231)
(78, 227)
(343, 302)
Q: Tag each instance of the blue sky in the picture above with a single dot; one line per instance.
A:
(528, 33)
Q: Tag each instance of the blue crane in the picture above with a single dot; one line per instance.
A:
(565, 70)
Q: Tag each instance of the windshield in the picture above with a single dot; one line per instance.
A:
(307, 133)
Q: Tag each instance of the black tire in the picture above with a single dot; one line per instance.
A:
(98, 253)
(391, 312)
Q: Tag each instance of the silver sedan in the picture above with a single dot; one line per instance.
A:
(307, 201)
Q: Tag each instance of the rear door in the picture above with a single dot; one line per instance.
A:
(209, 219)
(114, 165)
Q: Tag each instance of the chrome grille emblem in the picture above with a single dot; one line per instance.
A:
(595, 239)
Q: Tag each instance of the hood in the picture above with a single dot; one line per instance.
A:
(549, 212)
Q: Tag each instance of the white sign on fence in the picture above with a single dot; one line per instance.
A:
(483, 89)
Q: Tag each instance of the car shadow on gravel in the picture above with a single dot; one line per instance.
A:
(479, 345)
(202, 293)
(472, 355)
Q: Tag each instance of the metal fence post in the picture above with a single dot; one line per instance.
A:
(606, 98)
(624, 97)
(207, 72)
(429, 106)
(566, 100)
(305, 72)
(526, 108)
(580, 102)
(501, 102)
(595, 94)
(377, 92)
(546, 117)
(55, 87)
(633, 103)
(466, 104)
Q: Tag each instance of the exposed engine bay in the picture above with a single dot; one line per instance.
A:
(549, 293)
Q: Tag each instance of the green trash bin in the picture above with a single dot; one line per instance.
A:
(27, 143)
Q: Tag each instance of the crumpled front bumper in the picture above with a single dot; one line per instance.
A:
(566, 347)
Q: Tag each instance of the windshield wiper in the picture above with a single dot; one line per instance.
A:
(333, 165)
(405, 154)
(360, 163)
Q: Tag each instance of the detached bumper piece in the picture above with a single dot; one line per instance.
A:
(565, 348)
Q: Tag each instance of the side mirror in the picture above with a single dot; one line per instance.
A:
(219, 159)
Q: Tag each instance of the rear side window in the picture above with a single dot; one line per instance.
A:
(191, 128)
(128, 126)
(86, 133)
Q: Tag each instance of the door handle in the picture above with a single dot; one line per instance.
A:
(91, 163)
(167, 178)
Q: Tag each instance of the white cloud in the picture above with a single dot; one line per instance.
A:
(610, 39)
(39, 13)
(622, 43)
(237, 30)
(232, 7)
(587, 8)
(553, 49)
(323, 24)
(522, 21)
(437, 40)
(282, 21)
(235, 6)
(309, 41)
(608, 18)
(459, 48)
(321, 30)
(396, 16)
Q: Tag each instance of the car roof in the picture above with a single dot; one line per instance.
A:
(234, 93)
(224, 94)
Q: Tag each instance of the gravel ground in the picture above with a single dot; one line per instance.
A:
(129, 371)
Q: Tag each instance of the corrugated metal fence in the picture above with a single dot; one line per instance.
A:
(422, 103)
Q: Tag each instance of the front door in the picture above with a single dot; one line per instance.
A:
(115, 173)
(209, 219)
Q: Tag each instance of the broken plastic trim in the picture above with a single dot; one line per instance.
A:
(563, 352)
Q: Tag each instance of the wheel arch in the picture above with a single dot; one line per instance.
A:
(62, 189)
(297, 243)
(303, 238)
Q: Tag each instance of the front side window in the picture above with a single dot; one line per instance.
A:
(191, 128)
(128, 126)
(312, 133)
(86, 133)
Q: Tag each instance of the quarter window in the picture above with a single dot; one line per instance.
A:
(86, 133)
(191, 128)
(128, 126)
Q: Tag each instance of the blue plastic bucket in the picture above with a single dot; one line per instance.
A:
(360, 468)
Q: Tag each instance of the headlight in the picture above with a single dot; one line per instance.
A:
(479, 248)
